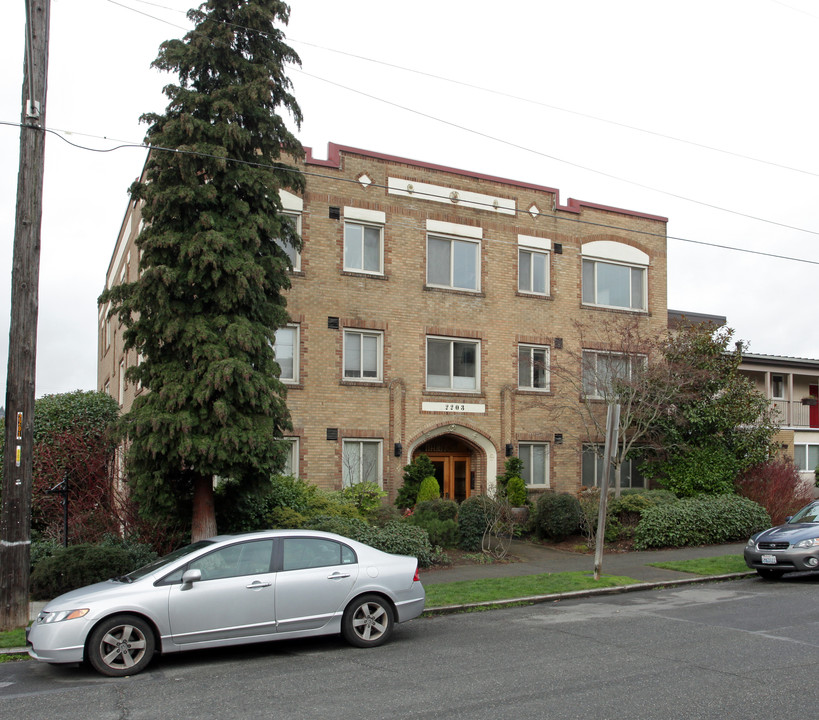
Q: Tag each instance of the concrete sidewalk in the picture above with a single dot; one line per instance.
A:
(535, 559)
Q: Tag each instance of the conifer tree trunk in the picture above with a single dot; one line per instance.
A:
(203, 523)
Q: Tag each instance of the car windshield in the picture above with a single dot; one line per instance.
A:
(809, 514)
(152, 567)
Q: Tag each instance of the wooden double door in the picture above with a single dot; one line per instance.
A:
(453, 473)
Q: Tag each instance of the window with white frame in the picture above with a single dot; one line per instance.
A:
(533, 367)
(121, 392)
(363, 355)
(778, 387)
(361, 462)
(286, 349)
(614, 275)
(453, 255)
(601, 370)
(291, 461)
(453, 364)
(364, 240)
(535, 456)
(806, 456)
(533, 265)
(593, 465)
(293, 255)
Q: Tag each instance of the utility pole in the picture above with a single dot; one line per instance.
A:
(15, 517)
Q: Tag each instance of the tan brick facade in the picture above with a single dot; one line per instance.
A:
(488, 221)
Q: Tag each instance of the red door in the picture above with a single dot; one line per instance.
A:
(814, 409)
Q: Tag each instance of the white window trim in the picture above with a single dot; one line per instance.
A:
(364, 224)
(547, 457)
(363, 441)
(293, 442)
(296, 355)
(451, 389)
(451, 239)
(533, 249)
(379, 334)
(296, 217)
(644, 290)
(122, 386)
(630, 359)
(531, 387)
(626, 468)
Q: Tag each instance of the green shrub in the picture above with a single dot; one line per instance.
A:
(348, 527)
(557, 515)
(402, 539)
(516, 491)
(474, 517)
(41, 549)
(284, 517)
(414, 473)
(443, 508)
(72, 567)
(140, 553)
(384, 514)
(702, 520)
(428, 490)
(365, 496)
(441, 532)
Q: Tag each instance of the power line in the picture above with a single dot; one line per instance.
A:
(306, 173)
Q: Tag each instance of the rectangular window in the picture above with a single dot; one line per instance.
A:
(453, 263)
(611, 285)
(291, 463)
(533, 367)
(286, 349)
(601, 371)
(533, 271)
(363, 248)
(592, 470)
(535, 458)
(806, 456)
(361, 460)
(121, 393)
(453, 364)
(363, 355)
(778, 387)
(293, 255)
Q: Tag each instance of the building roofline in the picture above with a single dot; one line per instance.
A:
(781, 360)
(572, 205)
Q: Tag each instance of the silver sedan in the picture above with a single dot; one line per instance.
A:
(232, 590)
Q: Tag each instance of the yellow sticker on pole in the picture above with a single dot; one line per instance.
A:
(19, 426)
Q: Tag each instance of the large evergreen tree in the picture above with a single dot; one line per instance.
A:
(208, 301)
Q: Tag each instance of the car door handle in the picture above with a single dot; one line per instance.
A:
(338, 576)
(258, 584)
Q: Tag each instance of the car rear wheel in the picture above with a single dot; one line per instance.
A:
(368, 621)
(769, 574)
(121, 645)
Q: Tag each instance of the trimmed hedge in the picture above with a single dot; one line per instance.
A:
(557, 515)
(443, 509)
(474, 516)
(72, 567)
(701, 520)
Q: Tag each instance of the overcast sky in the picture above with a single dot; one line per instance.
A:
(702, 111)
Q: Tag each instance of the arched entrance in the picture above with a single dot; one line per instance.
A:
(465, 464)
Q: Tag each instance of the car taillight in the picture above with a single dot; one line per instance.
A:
(415, 577)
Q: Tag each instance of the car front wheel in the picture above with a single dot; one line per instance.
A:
(769, 574)
(368, 621)
(121, 645)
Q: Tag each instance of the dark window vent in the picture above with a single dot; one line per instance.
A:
(332, 323)
(558, 248)
(558, 343)
(332, 433)
(335, 213)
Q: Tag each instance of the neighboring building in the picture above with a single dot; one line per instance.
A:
(427, 305)
(792, 385)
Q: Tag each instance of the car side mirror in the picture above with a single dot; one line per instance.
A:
(789, 518)
(191, 576)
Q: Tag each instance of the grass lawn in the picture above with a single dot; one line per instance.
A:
(487, 590)
(721, 565)
(13, 638)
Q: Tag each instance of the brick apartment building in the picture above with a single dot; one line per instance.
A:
(427, 305)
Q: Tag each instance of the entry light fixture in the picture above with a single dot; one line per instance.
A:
(510, 449)
(398, 449)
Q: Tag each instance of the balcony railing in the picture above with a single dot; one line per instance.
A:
(792, 413)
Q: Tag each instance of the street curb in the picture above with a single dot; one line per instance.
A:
(536, 599)
(593, 592)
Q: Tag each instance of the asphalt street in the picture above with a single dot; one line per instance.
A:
(734, 650)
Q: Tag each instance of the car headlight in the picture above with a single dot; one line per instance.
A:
(751, 543)
(61, 615)
(809, 543)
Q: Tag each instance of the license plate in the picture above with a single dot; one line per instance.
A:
(769, 559)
